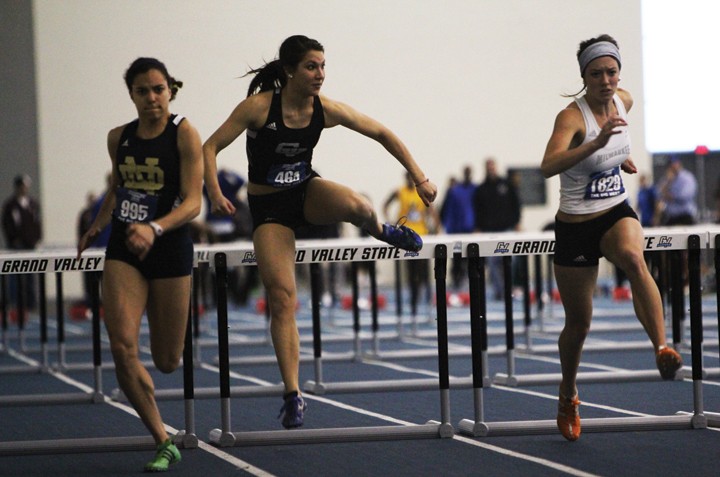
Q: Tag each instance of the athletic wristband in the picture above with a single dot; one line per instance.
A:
(418, 184)
(157, 229)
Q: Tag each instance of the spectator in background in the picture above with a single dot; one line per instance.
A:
(497, 209)
(85, 220)
(23, 231)
(647, 199)
(103, 237)
(458, 217)
(678, 195)
(228, 228)
(646, 207)
(423, 220)
(224, 228)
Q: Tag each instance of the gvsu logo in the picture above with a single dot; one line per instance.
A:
(249, 257)
(665, 242)
(502, 247)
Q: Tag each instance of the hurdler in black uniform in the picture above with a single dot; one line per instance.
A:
(282, 157)
(149, 171)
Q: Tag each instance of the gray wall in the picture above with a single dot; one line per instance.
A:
(458, 80)
(18, 121)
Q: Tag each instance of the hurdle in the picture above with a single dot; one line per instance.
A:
(318, 386)
(693, 242)
(669, 240)
(42, 263)
(313, 252)
(241, 253)
(20, 314)
(714, 242)
(59, 261)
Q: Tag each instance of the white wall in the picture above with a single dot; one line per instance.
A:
(458, 80)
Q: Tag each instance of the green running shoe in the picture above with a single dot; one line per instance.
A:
(167, 454)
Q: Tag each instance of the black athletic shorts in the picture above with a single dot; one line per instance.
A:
(170, 256)
(284, 207)
(578, 244)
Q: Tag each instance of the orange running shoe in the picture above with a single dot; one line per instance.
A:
(568, 418)
(668, 362)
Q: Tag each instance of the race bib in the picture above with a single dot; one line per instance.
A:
(287, 175)
(605, 184)
(133, 206)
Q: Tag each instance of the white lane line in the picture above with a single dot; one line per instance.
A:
(517, 455)
(238, 463)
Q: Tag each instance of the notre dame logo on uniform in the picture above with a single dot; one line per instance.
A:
(148, 176)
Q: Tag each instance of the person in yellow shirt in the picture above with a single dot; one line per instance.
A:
(413, 213)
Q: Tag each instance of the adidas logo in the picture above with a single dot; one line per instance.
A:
(580, 259)
(125, 144)
(272, 126)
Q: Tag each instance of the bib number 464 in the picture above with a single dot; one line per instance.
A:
(287, 177)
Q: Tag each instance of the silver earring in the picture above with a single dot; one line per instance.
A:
(290, 76)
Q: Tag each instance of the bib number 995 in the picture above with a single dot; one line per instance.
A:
(134, 206)
(133, 212)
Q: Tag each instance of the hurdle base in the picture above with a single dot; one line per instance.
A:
(77, 446)
(712, 419)
(186, 440)
(707, 373)
(588, 347)
(272, 360)
(221, 438)
(69, 367)
(210, 392)
(606, 424)
(50, 399)
(420, 384)
(430, 430)
(24, 369)
(588, 377)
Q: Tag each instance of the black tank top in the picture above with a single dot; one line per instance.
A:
(148, 167)
(280, 156)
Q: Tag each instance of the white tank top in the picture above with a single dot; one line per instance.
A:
(595, 183)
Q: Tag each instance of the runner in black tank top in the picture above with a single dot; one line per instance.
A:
(283, 125)
(155, 191)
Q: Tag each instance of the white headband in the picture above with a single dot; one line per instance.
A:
(596, 50)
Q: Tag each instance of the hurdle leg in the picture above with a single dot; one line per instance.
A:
(696, 332)
(478, 323)
(222, 436)
(509, 324)
(356, 312)
(315, 298)
(188, 437)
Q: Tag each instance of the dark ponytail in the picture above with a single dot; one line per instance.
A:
(274, 74)
(267, 78)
